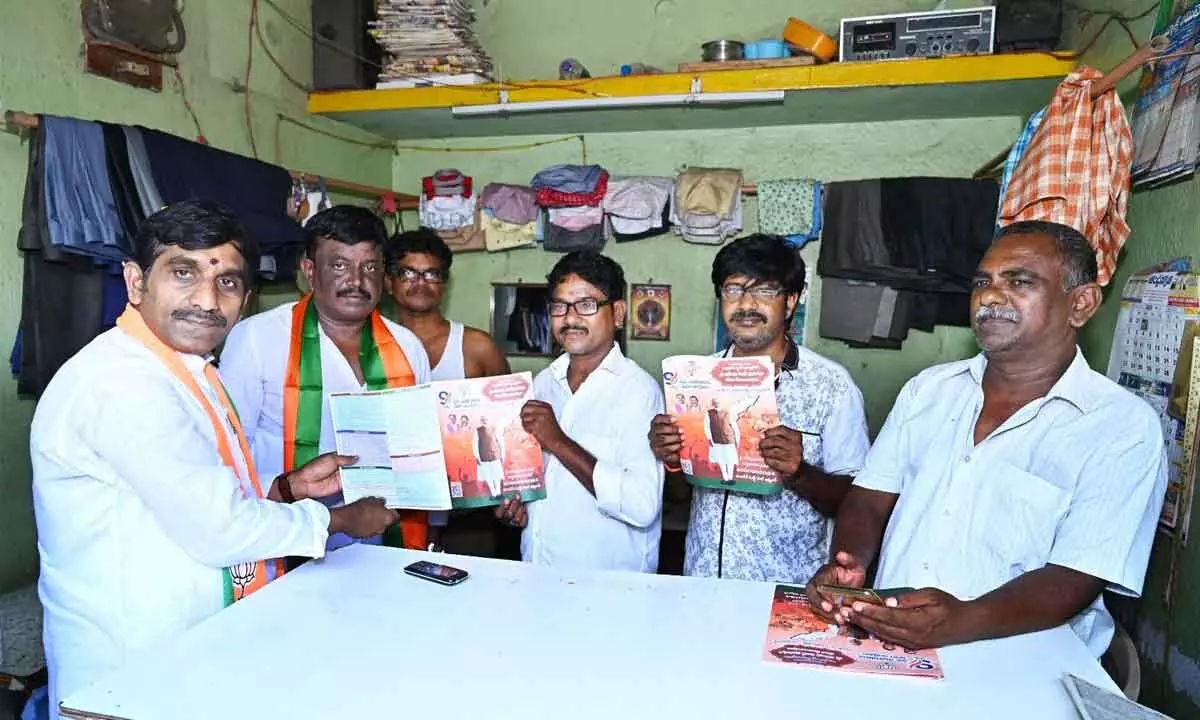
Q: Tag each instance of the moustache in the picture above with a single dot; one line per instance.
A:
(997, 313)
(353, 292)
(201, 317)
(416, 290)
(741, 315)
(568, 328)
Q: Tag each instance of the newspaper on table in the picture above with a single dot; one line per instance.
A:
(1156, 327)
(426, 39)
(797, 636)
(1166, 129)
(442, 445)
(1094, 703)
(722, 407)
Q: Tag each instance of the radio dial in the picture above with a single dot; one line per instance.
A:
(973, 44)
(910, 49)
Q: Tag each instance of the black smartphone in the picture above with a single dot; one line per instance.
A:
(441, 574)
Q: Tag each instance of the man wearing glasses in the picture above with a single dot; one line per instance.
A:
(280, 365)
(419, 269)
(817, 449)
(603, 505)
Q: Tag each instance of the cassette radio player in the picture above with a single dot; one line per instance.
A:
(919, 34)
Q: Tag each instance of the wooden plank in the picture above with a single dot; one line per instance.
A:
(799, 61)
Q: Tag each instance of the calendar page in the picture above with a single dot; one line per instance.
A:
(1158, 321)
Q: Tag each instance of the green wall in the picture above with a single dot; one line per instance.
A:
(40, 71)
(827, 152)
(1164, 226)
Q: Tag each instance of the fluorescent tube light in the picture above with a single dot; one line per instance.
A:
(729, 98)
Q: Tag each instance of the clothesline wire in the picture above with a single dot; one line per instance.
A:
(187, 103)
(246, 101)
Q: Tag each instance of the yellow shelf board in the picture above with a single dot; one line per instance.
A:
(835, 76)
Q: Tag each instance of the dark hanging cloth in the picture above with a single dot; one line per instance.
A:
(61, 307)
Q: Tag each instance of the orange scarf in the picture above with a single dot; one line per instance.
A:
(383, 364)
(243, 578)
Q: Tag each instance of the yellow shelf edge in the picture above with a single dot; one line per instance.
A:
(895, 73)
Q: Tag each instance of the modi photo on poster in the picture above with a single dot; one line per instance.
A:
(650, 312)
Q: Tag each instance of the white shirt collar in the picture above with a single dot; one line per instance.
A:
(1071, 386)
(611, 363)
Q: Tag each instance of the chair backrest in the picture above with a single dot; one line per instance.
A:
(1123, 664)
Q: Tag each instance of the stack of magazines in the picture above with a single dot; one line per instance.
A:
(429, 42)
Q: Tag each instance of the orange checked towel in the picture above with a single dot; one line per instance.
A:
(1076, 169)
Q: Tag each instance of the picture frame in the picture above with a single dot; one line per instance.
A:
(650, 312)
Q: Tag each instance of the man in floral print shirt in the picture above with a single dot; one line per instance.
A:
(818, 448)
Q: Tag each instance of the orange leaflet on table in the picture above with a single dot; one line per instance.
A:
(796, 636)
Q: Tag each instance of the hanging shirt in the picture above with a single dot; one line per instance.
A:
(620, 527)
(253, 367)
(1076, 169)
(783, 538)
(137, 514)
(1075, 479)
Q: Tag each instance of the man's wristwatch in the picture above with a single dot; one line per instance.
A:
(434, 547)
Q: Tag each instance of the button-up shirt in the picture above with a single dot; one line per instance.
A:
(619, 528)
(783, 538)
(253, 367)
(1075, 479)
(137, 514)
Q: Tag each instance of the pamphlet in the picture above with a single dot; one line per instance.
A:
(797, 636)
(723, 406)
(489, 456)
(442, 445)
(1094, 703)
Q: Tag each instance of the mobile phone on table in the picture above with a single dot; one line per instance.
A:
(441, 574)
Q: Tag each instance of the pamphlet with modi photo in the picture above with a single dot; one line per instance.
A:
(722, 407)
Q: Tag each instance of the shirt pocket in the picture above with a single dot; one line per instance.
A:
(1017, 514)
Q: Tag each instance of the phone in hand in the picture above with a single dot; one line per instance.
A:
(842, 595)
(845, 595)
(441, 574)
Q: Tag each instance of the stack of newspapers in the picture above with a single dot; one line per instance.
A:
(429, 42)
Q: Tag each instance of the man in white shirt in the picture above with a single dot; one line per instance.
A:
(1013, 487)
(150, 514)
(817, 448)
(332, 333)
(603, 505)
(419, 270)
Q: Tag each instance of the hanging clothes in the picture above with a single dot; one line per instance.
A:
(1076, 171)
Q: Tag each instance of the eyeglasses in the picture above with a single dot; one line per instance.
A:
(433, 277)
(759, 292)
(584, 308)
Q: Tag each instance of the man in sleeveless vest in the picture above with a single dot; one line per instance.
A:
(419, 270)
(151, 516)
(282, 364)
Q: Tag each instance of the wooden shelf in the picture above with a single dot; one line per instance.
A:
(976, 86)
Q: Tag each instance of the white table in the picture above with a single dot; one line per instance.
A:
(353, 637)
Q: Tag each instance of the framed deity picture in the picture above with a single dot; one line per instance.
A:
(650, 312)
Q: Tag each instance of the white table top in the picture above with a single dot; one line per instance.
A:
(352, 636)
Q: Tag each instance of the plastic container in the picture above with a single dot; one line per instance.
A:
(572, 69)
(639, 69)
(767, 49)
